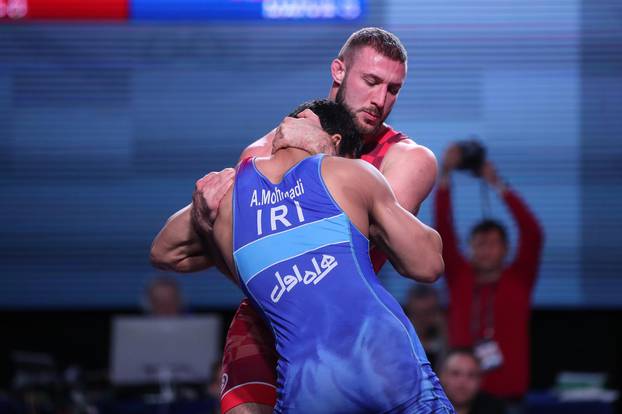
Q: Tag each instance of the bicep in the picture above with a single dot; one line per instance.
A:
(411, 174)
(386, 215)
(413, 248)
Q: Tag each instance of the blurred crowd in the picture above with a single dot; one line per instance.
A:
(479, 342)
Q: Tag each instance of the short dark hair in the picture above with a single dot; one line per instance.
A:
(487, 225)
(336, 119)
(380, 40)
(466, 351)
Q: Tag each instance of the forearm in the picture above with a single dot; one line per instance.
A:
(527, 222)
(177, 247)
(530, 237)
(444, 223)
(300, 132)
(425, 261)
(414, 249)
(190, 264)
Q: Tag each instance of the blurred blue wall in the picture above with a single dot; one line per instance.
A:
(104, 129)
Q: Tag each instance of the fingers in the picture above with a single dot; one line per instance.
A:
(223, 186)
(310, 116)
(206, 181)
(307, 113)
(208, 193)
(214, 178)
(452, 152)
(215, 184)
(305, 117)
(451, 158)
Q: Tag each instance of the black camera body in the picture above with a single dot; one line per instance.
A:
(473, 155)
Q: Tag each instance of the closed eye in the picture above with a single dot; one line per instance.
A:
(372, 80)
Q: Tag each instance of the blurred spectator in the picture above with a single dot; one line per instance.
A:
(460, 375)
(424, 311)
(164, 297)
(489, 301)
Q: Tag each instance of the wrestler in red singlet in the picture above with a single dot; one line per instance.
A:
(249, 359)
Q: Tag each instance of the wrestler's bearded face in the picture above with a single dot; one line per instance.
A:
(370, 88)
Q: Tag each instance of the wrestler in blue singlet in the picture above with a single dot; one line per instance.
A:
(344, 343)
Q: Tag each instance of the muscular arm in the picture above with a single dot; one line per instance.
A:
(410, 170)
(177, 247)
(413, 248)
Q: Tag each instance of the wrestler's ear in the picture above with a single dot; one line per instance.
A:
(338, 70)
(336, 140)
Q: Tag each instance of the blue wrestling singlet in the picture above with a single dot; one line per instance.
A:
(344, 343)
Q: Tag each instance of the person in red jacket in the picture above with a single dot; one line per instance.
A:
(489, 299)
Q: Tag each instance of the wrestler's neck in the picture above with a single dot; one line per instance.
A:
(280, 161)
(290, 154)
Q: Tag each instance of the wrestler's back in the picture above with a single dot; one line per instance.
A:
(344, 343)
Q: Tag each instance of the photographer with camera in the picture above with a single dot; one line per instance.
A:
(490, 300)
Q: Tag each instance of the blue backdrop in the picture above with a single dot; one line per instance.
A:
(104, 129)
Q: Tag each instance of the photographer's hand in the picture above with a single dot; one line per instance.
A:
(451, 160)
(489, 174)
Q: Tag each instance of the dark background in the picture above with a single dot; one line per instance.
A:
(561, 340)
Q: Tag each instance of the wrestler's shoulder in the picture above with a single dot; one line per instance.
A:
(347, 163)
(408, 153)
(348, 167)
(406, 148)
(260, 148)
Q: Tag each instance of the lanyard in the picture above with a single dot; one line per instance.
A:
(489, 313)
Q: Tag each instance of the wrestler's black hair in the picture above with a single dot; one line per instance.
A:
(487, 225)
(336, 119)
